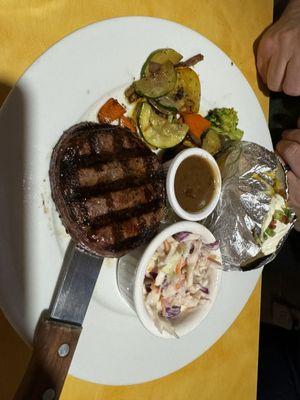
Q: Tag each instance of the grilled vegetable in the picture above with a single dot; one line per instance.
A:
(110, 111)
(130, 94)
(186, 94)
(158, 83)
(159, 109)
(136, 111)
(160, 56)
(212, 142)
(190, 62)
(128, 123)
(159, 131)
(225, 121)
(196, 123)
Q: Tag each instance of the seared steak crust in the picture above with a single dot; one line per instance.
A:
(108, 188)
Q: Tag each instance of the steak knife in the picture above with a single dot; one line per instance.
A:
(58, 330)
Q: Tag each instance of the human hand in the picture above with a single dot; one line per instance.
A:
(278, 53)
(289, 150)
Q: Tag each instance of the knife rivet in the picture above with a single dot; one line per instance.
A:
(63, 350)
(49, 394)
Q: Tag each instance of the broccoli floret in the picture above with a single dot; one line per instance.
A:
(225, 121)
(223, 118)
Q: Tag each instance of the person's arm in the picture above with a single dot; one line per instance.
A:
(278, 53)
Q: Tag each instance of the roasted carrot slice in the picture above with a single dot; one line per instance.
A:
(128, 123)
(196, 123)
(110, 111)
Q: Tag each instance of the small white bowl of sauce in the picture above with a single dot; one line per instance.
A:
(193, 184)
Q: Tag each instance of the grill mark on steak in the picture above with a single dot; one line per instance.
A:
(115, 227)
(131, 243)
(125, 214)
(125, 164)
(116, 170)
(69, 183)
(92, 191)
(92, 160)
(93, 145)
(122, 199)
(108, 188)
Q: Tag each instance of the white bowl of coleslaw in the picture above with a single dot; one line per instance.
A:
(177, 279)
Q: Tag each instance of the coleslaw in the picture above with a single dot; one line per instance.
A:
(177, 278)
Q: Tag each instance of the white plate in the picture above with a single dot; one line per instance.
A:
(52, 95)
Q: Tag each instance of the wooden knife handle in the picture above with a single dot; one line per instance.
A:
(53, 349)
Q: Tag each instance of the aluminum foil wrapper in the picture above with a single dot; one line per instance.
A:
(244, 203)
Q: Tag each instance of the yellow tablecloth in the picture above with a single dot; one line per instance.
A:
(228, 370)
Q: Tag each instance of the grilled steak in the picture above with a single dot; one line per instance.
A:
(108, 188)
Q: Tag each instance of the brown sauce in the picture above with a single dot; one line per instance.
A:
(194, 183)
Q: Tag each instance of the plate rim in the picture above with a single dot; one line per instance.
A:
(86, 27)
